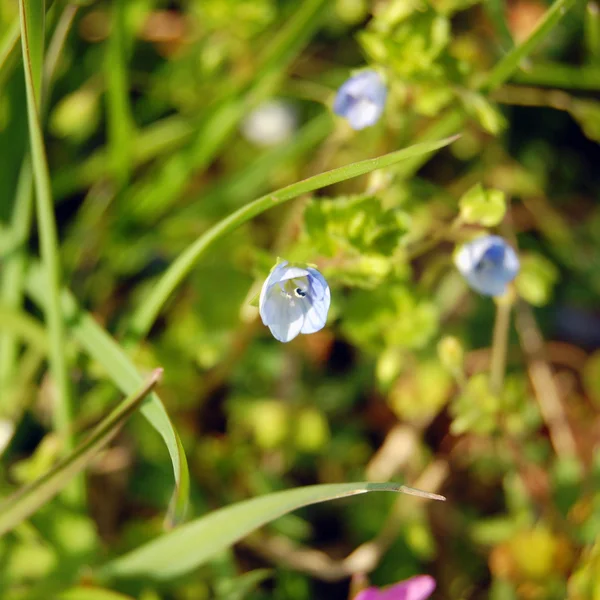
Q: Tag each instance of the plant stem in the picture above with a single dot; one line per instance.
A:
(510, 63)
(49, 244)
(500, 343)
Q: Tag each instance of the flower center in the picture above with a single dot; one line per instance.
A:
(294, 288)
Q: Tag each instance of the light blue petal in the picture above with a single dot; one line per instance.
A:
(318, 284)
(363, 113)
(488, 264)
(316, 315)
(361, 99)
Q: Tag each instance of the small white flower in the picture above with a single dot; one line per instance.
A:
(294, 300)
(269, 124)
(488, 264)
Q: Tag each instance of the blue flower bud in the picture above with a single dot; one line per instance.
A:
(488, 264)
(294, 300)
(361, 99)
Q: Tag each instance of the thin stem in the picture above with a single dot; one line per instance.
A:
(510, 63)
(49, 248)
(500, 343)
(592, 31)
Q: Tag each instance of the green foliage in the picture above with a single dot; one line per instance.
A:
(536, 279)
(137, 222)
(357, 225)
(482, 207)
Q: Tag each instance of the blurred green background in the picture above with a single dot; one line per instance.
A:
(152, 136)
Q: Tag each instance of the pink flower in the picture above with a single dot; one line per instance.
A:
(419, 587)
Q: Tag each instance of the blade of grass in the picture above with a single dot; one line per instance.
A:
(245, 183)
(22, 325)
(147, 313)
(556, 75)
(32, 14)
(506, 68)
(14, 268)
(56, 45)
(592, 31)
(102, 347)
(510, 63)
(28, 500)
(120, 119)
(9, 45)
(189, 546)
(496, 11)
(45, 214)
(162, 137)
(161, 189)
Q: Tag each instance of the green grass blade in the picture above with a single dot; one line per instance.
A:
(33, 23)
(162, 137)
(592, 31)
(557, 75)
(23, 326)
(147, 313)
(189, 546)
(120, 119)
(45, 214)
(496, 10)
(28, 500)
(9, 49)
(161, 189)
(14, 267)
(102, 347)
(510, 63)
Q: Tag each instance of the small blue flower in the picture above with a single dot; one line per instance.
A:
(361, 99)
(294, 300)
(488, 264)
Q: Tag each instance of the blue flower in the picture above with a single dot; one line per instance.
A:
(294, 300)
(488, 264)
(361, 99)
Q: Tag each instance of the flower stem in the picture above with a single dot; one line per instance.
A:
(500, 343)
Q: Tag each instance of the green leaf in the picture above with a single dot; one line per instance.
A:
(147, 313)
(26, 501)
(189, 546)
(536, 279)
(482, 207)
(103, 348)
(354, 223)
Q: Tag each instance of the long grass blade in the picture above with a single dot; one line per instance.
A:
(45, 214)
(189, 546)
(28, 500)
(102, 347)
(147, 313)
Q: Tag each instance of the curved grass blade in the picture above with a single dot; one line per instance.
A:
(190, 545)
(26, 501)
(102, 347)
(147, 313)
(32, 15)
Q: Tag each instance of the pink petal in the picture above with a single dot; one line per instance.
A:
(415, 588)
(371, 593)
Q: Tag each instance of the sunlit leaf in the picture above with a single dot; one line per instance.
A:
(192, 544)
